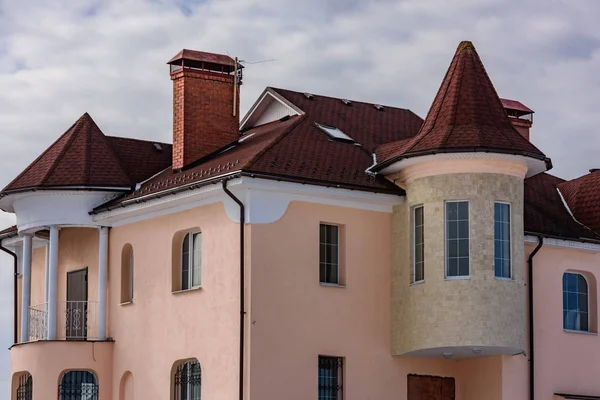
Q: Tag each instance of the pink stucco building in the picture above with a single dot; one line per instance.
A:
(316, 248)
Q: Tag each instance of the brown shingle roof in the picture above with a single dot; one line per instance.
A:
(545, 212)
(466, 115)
(295, 149)
(80, 157)
(582, 195)
(10, 231)
(84, 157)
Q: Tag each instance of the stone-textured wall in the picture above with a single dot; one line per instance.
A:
(478, 311)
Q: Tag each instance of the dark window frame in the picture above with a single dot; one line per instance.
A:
(187, 381)
(329, 254)
(331, 378)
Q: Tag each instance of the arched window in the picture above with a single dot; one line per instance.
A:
(191, 261)
(25, 387)
(127, 274)
(78, 385)
(575, 302)
(187, 381)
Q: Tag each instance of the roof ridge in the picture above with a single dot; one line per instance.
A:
(65, 147)
(136, 139)
(334, 98)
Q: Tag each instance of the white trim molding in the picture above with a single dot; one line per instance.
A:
(265, 103)
(568, 244)
(265, 201)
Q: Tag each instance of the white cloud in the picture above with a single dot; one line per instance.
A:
(61, 58)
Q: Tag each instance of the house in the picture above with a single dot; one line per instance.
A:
(320, 248)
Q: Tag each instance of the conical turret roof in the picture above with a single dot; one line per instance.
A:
(466, 116)
(81, 157)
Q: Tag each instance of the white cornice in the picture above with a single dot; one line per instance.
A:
(534, 166)
(568, 244)
(265, 201)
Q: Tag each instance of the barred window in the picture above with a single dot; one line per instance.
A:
(331, 378)
(329, 244)
(191, 261)
(25, 388)
(78, 385)
(188, 381)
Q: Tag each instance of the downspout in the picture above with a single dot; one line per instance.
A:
(242, 312)
(14, 255)
(531, 363)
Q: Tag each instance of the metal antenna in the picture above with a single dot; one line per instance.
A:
(257, 62)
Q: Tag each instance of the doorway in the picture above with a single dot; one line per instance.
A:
(424, 387)
(76, 310)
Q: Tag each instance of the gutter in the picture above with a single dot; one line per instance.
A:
(14, 256)
(531, 338)
(242, 293)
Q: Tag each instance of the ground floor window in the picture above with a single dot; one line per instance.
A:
(188, 381)
(78, 385)
(25, 388)
(331, 378)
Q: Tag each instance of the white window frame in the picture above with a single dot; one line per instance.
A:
(338, 283)
(190, 256)
(446, 276)
(510, 238)
(589, 320)
(414, 244)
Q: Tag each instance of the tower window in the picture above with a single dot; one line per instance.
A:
(502, 246)
(457, 239)
(418, 264)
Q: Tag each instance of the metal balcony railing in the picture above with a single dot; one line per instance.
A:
(38, 322)
(76, 320)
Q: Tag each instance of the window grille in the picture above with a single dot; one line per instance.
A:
(188, 381)
(331, 378)
(78, 385)
(25, 388)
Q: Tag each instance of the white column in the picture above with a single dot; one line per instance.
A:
(46, 274)
(26, 287)
(52, 281)
(102, 280)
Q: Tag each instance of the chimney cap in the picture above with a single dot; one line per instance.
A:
(592, 170)
(515, 105)
(204, 60)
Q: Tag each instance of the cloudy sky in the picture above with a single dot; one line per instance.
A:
(61, 58)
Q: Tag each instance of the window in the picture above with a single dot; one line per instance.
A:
(127, 274)
(331, 378)
(188, 381)
(329, 244)
(334, 133)
(457, 239)
(502, 240)
(418, 270)
(191, 261)
(25, 387)
(575, 302)
(78, 385)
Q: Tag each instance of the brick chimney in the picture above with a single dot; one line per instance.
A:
(520, 115)
(205, 105)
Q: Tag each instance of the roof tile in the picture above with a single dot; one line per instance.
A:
(582, 195)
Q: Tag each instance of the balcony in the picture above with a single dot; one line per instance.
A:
(76, 320)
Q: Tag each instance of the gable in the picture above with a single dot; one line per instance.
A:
(269, 107)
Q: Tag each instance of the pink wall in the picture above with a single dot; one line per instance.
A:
(47, 361)
(294, 319)
(564, 362)
(159, 327)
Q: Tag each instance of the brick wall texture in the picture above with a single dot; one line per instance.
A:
(479, 311)
(203, 119)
